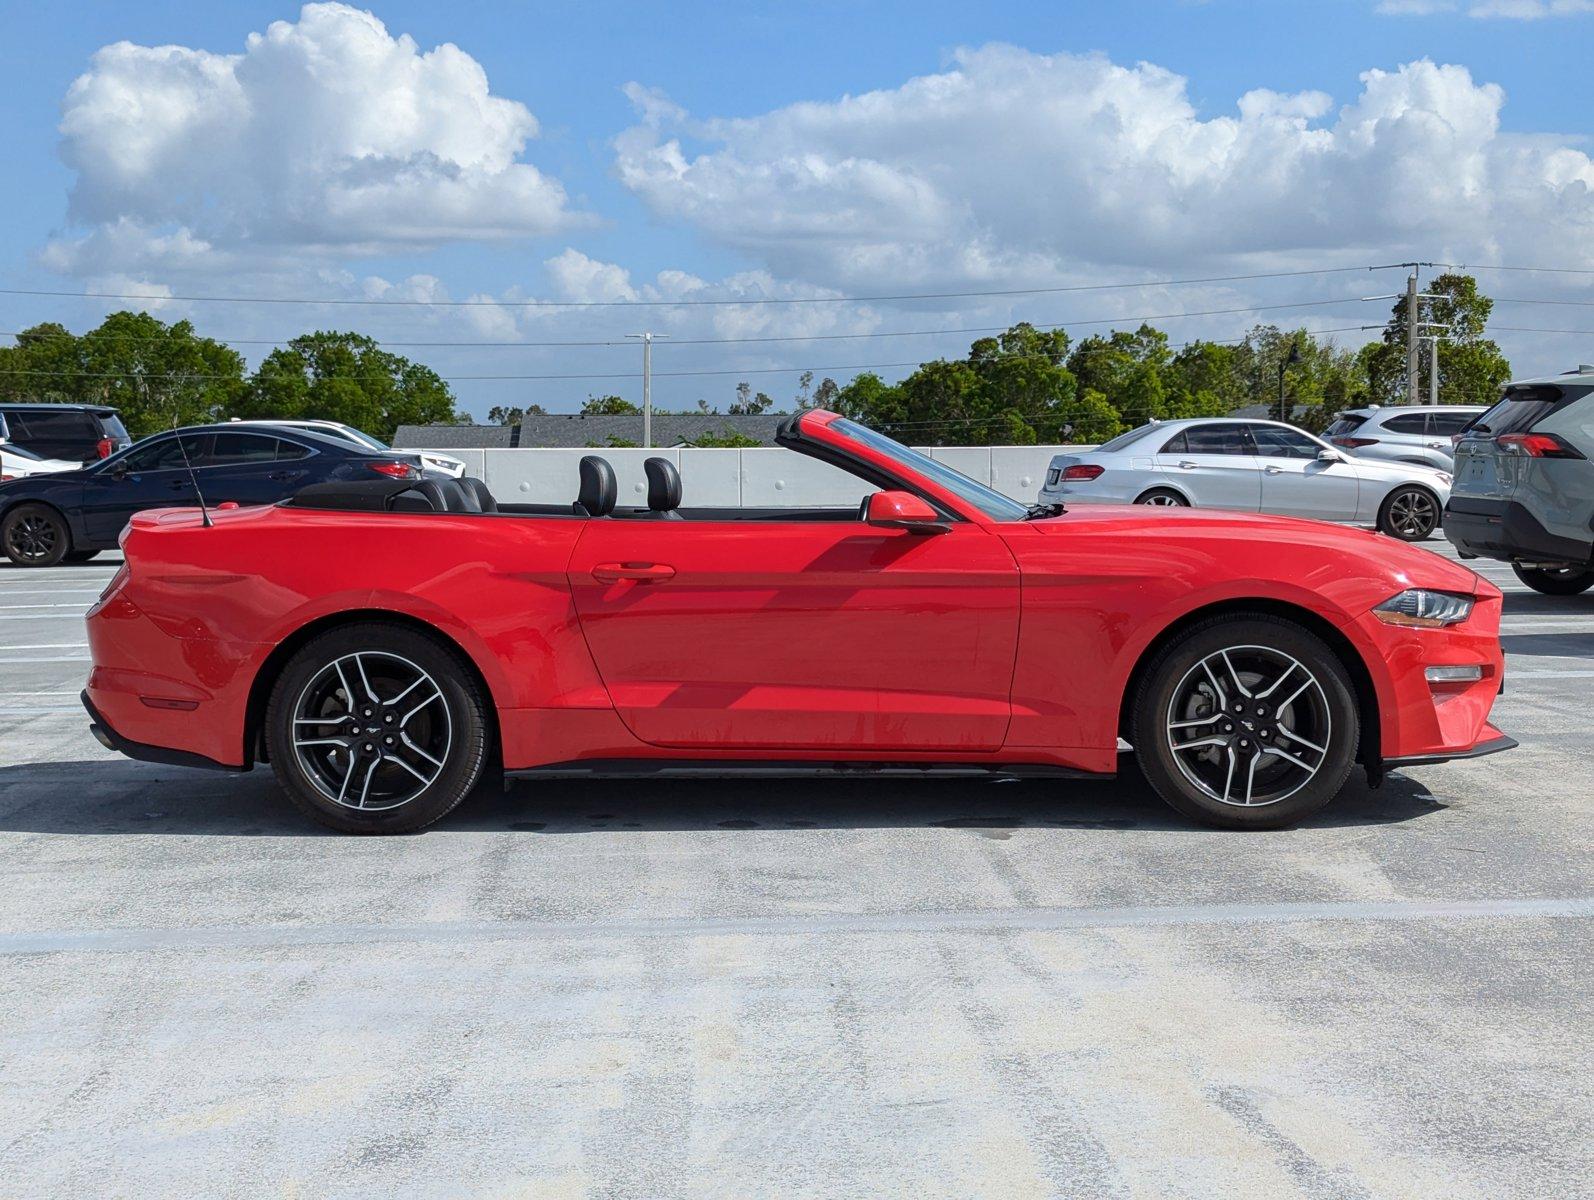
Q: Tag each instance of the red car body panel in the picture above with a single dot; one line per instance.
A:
(615, 638)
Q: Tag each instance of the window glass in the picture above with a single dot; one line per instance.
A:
(1217, 439)
(1519, 410)
(1345, 423)
(111, 423)
(992, 503)
(1273, 442)
(243, 448)
(65, 424)
(1408, 423)
(1445, 424)
(164, 454)
(287, 451)
(1125, 439)
(1176, 444)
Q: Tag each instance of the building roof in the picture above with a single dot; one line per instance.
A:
(453, 437)
(574, 430)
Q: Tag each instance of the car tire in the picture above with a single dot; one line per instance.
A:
(394, 763)
(1163, 497)
(1562, 581)
(1301, 697)
(80, 556)
(35, 535)
(1410, 513)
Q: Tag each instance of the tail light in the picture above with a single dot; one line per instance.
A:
(395, 470)
(105, 447)
(1536, 445)
(1081, 472)
(1354, 443)
(6, 478)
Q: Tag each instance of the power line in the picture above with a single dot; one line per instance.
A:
(1534, 270)
(815, 337)
(782, 300)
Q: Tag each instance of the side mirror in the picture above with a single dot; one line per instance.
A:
(119, 472)
(1330, 456)
(904, 510)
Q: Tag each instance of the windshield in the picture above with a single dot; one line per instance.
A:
(1347, 423)
(1125, 439)
(992, 503)
(357, 435)
(19, 452)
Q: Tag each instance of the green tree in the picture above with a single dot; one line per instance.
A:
(608, 406)
(155, 374)
(724, 438)
(1093, 420)
(747, 404)
(1471, 368)
(346, 377)
(504, 415)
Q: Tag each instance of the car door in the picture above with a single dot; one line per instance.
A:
(1215, 465)
(802, 635)
(1296, 483)
(252, 468)
(150, 475)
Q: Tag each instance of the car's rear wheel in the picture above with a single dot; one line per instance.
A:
(1556, 581)
(1409, 513)
(377, 728)
(1246, 722)
(35, 535)
(1164, 498)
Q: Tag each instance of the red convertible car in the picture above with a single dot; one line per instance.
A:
(384, 644)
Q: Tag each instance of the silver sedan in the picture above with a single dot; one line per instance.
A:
(1253, 466)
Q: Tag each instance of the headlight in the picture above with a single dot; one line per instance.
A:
(1424, 609)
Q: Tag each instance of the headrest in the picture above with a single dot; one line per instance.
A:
(485, 501)
(664, 485)
(598, 488)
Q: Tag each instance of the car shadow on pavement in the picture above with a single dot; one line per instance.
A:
(1548, 645)
(1533, 604)
(109, 797)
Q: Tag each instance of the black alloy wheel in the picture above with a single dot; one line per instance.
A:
(35, 535)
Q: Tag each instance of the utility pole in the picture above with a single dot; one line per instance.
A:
(1411, 337)
(647, 385)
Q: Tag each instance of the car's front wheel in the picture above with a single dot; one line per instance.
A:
(35, 535)
(1409, 513)
(377, 728)
(1246, 722)
(1556, 581)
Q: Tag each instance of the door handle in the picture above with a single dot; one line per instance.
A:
(1274, 470)
(1187, 464)
(284, 476)
(641, 572)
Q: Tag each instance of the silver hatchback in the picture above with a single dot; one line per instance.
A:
(1417, 434)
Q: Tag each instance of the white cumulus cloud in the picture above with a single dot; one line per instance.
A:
(1017, 166)
(328, 135)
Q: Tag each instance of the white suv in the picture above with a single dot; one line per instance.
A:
(1423, 435)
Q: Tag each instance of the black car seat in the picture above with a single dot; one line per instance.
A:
(664, 489)
(485, 501)
(598, 488)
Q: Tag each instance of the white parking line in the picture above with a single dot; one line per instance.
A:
(19, 607)
(51, 646)
(44, 616)
(47, 658)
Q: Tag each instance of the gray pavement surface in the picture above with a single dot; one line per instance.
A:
(841, 989)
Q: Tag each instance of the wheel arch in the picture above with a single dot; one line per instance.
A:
(1166, 487)
(72, 539)
(254, 742)
(1368, 750)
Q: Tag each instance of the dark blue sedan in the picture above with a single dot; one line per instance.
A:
(70, 516)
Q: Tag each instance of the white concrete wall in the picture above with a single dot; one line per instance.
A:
(762, 477)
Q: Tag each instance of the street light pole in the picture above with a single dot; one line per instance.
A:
(1289, 360)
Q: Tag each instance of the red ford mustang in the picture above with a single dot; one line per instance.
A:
(383, 644)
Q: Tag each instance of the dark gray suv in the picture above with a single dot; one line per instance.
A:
(1524, 483)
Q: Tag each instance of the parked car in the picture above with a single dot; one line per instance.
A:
(76, 433)
(443, 464)
(1252, 466)
(17, 463)
(380, 642)
(1524, 490)
(70, 516)
(1424, 436)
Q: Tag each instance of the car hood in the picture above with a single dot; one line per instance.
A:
(1142, 524)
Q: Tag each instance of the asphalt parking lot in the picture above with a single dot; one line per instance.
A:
(794, 989)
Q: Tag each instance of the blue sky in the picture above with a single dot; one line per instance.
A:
(1022, 164)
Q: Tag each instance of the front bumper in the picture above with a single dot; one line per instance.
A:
(1508, 530)
(1492, 745)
